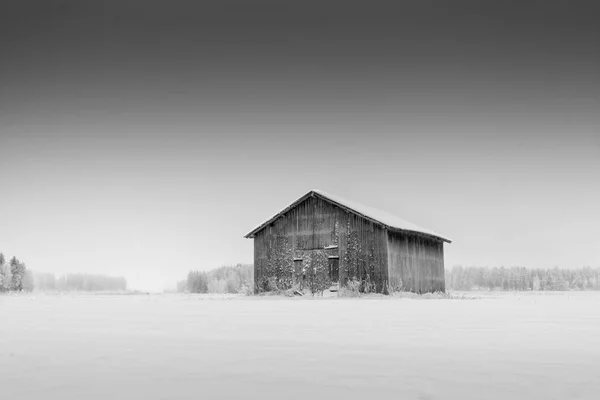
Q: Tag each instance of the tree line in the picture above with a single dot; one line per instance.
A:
(78, 282)
(521, 278)
(14, 275)
(226, 279)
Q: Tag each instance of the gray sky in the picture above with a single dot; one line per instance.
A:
(146, 141)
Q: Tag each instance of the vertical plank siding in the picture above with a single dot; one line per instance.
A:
(367, 251)
(305, 231)
(415, 263)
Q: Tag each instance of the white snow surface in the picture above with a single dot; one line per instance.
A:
(501, 346)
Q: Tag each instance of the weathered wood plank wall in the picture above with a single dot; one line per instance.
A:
(310, 227)
(416, 263)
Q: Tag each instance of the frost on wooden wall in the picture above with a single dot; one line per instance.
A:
(314, 273)
(313, 231)
(277, 267)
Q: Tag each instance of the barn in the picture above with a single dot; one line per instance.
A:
(321, 240)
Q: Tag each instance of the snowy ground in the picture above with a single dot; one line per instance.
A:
(504, 346)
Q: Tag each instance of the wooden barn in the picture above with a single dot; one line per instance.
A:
(321, 239)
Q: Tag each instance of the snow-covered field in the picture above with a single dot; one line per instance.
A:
(501, 346)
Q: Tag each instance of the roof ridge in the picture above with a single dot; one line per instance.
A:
(381, 217)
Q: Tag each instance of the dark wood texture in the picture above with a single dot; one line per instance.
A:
(415, 263)
(306, 231)
(303, 239)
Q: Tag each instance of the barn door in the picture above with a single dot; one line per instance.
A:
(334, 269)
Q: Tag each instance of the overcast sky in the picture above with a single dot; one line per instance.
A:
(145, 139)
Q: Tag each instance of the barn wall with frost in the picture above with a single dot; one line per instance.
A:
(313, 232)
(316, 242)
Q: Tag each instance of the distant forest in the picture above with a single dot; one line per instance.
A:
(15, 277)
(227, 279)
(47, 282)
(521, 278)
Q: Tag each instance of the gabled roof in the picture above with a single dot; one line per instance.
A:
(379, 217)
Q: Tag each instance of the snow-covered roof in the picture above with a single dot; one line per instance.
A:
(386, 219)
